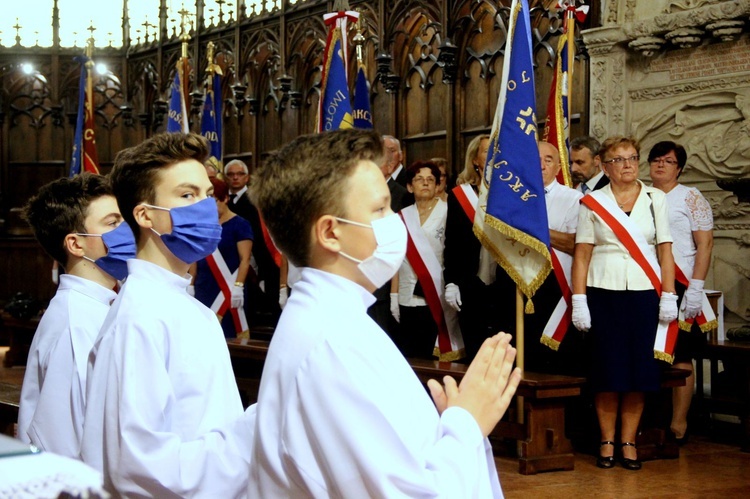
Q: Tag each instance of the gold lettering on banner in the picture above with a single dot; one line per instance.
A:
(527, 195)
(338, 98)
(516, 187)
(521, 252)
(514, 182)
(510, 176)
(524, 78)
(511, 85)
(531, 125)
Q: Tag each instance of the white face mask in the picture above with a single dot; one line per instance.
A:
(382, 265)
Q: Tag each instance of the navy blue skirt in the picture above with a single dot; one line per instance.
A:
(623, 330)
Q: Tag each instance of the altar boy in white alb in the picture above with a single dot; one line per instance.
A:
(340, 412)
(77, 222)
(164, 417)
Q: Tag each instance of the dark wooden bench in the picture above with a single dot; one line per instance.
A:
(10, 396)
(20, 334)
(735, 355)
(543, 445)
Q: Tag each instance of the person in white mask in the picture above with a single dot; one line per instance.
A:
(340, 411)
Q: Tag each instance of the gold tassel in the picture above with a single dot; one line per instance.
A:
(529, 307)
(550, 342)
(664, 356)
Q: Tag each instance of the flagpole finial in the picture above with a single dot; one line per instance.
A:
(212, 68)
(185, 36)
(90, 41)
(359, 42)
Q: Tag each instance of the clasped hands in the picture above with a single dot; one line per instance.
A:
(488, 386)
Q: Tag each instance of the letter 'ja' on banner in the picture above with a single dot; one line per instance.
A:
(511, 217)
(335, 107)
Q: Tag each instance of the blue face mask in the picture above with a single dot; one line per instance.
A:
(120, 245)
(196, 231)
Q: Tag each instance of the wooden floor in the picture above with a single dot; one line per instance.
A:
(705, 469)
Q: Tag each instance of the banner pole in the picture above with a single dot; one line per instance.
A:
(519, 347)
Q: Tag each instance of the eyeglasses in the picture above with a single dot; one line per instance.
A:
(621, 161)
(666, 161)
(236, 174)
(424, 180)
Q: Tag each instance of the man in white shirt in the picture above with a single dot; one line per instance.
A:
(67, 217)
(164, 416)
(562, 218)
(586, 165)
(340, 412)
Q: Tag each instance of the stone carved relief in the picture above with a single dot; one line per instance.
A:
(736, 285)
(612, 14)
(695, 17)
(687, 5)
(715, 129)
(615, 84)
(629, 11)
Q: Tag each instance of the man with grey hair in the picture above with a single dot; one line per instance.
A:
(262, 303)
(394, 159)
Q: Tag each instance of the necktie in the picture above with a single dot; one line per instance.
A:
(584, 188)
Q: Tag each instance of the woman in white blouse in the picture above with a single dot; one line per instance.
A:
(624, 309)
(408, 305)
(691, 223)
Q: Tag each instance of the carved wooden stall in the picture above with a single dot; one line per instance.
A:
(434, 70)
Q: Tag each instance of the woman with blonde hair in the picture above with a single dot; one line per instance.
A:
(474, 299)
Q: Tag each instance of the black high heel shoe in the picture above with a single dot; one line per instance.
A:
(630, 464)
(605, 462)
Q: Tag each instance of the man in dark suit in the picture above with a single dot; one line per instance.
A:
(586, 165)
(395, 157)
(263, 295)
(380, 311)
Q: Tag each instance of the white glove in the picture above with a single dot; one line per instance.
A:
(668, 307)
(453, 296)
(191, 290)
(395, 310)
(692, 303)
(238, 296)
(283, 296)
(581, 314)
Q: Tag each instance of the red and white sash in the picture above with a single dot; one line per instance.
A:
(635, 243)
(706, 319)
(468, 199)
(223, 301)
(561, 317)
(449, 345)
(272, 249)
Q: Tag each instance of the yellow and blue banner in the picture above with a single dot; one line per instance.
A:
(511, 216)
(84, 156)
(211, 121)
(557, 128)
(361, 112)
(335, 105)
(177, 118)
